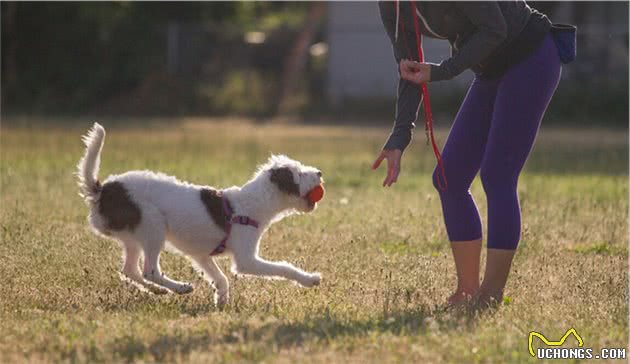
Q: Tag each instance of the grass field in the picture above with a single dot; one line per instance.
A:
(383, 253)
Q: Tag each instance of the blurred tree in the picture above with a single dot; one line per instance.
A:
(296, 59)
(72, 56)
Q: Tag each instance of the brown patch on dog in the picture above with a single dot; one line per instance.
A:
(213, 202)
(118, 208)
(283, 178)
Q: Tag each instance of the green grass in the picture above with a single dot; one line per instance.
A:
(383, 253)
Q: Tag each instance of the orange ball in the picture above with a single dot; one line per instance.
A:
(316, 194)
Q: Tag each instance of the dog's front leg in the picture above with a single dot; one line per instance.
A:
(260, 267)
(244, 248)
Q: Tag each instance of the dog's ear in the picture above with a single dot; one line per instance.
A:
(283, 178)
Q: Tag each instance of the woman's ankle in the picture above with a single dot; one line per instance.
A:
(466, 255)
(498, 266)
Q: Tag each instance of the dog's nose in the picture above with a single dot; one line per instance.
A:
(319, 173)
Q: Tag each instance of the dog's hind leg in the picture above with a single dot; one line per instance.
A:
(130, 269)
(152, 233)
(153, 273)
(216, 277)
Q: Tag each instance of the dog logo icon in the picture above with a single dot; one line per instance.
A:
(553, 343)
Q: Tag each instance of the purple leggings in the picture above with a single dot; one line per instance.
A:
(493, 133)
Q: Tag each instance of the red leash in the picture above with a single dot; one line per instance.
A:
(426, 105)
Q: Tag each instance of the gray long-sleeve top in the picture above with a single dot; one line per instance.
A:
(479, 34)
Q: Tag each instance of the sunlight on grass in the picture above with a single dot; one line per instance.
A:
(383, 253)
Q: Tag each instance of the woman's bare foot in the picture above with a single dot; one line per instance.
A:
(483, 300)
(460, 296)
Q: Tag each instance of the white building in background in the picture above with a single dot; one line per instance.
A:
(361, 62)
(360, 58)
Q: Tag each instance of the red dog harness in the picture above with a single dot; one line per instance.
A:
(229, 220)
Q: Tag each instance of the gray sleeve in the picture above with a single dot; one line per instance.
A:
(408, 98)
(491, 31)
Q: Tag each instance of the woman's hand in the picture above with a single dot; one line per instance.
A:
(415, 72)
(393, 165)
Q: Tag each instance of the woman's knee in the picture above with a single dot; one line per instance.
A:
(494, 181)
(449, 185)
(438, 180)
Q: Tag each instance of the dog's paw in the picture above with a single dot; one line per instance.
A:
(312, 280)
(156, 289)
(184, 288)
(221, 299)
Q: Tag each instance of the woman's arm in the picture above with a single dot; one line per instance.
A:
(491, 31)
(408, 98)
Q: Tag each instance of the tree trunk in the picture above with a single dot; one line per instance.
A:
(296, 60)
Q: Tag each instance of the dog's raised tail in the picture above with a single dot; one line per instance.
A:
(88, 166)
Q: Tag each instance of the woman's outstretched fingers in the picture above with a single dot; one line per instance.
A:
(378, 160)
(393, 165)
(392, 171)
(377, 163)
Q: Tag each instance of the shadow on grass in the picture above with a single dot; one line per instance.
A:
(319, 327)
(137, 301)
(329, 327)
(163, 348)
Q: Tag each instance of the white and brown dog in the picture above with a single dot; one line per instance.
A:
(143, 210)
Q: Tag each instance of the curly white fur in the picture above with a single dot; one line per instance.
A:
(172, 211)
(88, 165)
